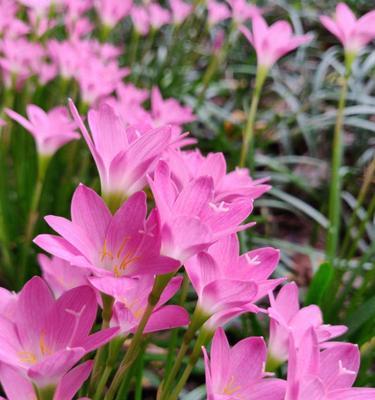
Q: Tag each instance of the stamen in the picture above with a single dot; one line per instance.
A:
(219, 208)
(252, 260)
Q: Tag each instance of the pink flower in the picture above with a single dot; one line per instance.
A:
(158, 16)
(188, 165)
(229, 284)
(242, 11)
(190, 217)
(238, 372)
(169, 111)
(286, 318)
(125, 244)
(123, 156)
(180, 10)
(47, 337)
(2, 123)
(324, 375)
(17, 387)
(141, 19)
(61, 275)
(51, 130)
(217, 12)
(273, 42)
(353, 33)
(8, 301)
(131, 299)
(112, 11)
(41, 7)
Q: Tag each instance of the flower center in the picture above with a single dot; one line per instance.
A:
(231, 387)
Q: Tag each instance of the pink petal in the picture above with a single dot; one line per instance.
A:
(15, 385)
(167, 317)
(220, 358)
(99, 339)
(56, 245)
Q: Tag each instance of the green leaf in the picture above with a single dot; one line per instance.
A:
(359, 317)
(321, 282)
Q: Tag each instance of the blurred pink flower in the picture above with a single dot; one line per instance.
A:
(353, 33)
(17, 387)
(243, 11)
(112, 11)
(141, 19)
(50, 130)
(8, 302)
(41, 7)
(158, 16)
(47, 337)
(61, 275)
(125, 244)
(131, 299)
(228, 284)
(273, 42)
(238, 372)
(122, 155)
(217, 12)
(190, 217)
(2, 123)
(10, 25)
(324, 375)
(286, 318)
(180, 10)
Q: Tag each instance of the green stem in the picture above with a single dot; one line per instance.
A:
(248, 134)
(46, 393)
(161, 282)
(43, 162)
(335, 186)
(102, 383)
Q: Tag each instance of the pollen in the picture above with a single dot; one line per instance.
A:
(231, 388)
(27, 357)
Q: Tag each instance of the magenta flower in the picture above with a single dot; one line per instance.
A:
(324, 375)
(286, 318)
(180, 10)
(51, 130)
(112, 11)
(141, 19)
(17, 387)
(61, 275)
(273, 42)
(353, 33)
(125, 244)
(123, 156)
(217, 12)
(131, 299)
(238, 373)
(190, 217)
(243, 11)
(158, 16)
(228, 284)
(47, 337)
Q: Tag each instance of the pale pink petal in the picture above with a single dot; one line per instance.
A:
(15, 385)
(167, 317)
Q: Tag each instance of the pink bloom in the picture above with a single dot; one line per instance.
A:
(123, 156)
(217, 12)
(8, 301)
(61, 275)
(180, 10)
(353, 33)
(41, 7)
(243, 11)
(226, 282)
(17, 387)
(286, 317)
(191, 219)
(125, 244)
(169, 111)
(51, 130)
(273, 42)
(112, 11)
(158, 16)
(238, 372)
(324, 375)
(141, 19)
(131, 296)
(188, 165)
(47, 337)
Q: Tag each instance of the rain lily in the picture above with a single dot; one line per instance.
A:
(273, 42)
(180, 10)
(324, 375)
(191, 219)
(123, 156)
(243, 11)
(61, 275)
(141, 19)
(225, 281)
(46, 337)
(353, 33)
(217, 12)
(51, 130)
(112, 11)
(125, 244)
(17, 387)
(131, 296)
(238, 373)
(286, 317)
(158, 16)
(8, 301)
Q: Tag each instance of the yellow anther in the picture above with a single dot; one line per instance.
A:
(230, 388)
(27, 357)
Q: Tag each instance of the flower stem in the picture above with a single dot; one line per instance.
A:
(247, 150)
(161, 282)
(335, 186)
